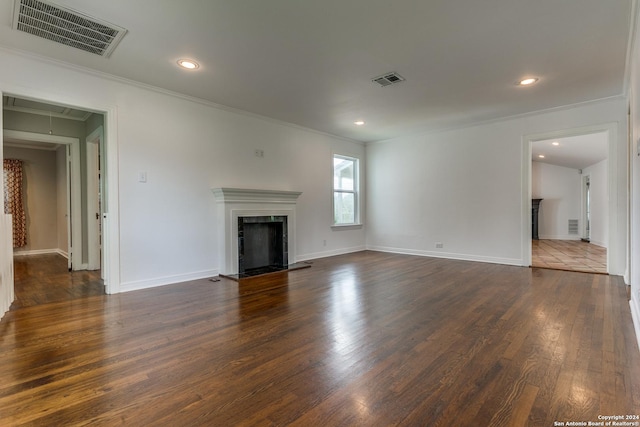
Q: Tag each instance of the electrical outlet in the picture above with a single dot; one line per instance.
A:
(439, 245)
(259, 153)
(324, 243)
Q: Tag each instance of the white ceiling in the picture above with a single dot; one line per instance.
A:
(575, 152)
(311, 62)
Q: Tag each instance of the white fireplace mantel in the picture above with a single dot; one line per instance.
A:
(244, 195)
(240, 202)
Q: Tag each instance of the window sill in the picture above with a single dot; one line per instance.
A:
(347, 226)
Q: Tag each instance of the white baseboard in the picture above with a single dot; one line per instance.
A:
(635, 315)
(324, 254)
(448, 255)
(559, 237)
(601, 244)
(167, 280)
(41, 252)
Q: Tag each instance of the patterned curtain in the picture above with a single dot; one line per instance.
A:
(12, 172)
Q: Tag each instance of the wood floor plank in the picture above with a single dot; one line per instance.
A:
(360, 339)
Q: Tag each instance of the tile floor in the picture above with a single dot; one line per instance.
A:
(572, 255)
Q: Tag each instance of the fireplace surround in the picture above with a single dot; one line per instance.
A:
(238, 206)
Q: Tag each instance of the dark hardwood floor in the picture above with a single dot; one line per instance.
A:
(43, 279)
(367, 339)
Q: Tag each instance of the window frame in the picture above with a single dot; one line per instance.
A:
(355, 191)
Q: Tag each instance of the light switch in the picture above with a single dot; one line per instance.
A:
(142, 177)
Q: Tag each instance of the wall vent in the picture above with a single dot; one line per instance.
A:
(388, 79)
(65, 26)
(573, 226)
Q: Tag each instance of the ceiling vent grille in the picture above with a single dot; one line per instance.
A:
(70, 28)
(388, 79)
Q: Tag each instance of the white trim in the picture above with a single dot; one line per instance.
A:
(41, 252)
(111, 207)
(17, 135)
(325, 254)
(74, 197)
(559, 237)
(93, 143)
(166, 280)
(357, 193)
(238, 202)
(612, 180)
(247, 195)
(111, 215)
(446, 255)
(583, 206)
(635, 315)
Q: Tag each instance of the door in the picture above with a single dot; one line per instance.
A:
(94, 205)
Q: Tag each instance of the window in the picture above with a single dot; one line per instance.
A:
(345, 190)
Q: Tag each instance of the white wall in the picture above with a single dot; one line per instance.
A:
(463, 187)
(634, 149)
(560, 189)
(167, 225)
(599, 191)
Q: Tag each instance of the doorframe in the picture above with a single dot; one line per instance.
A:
(111, 208)
(611, 129)
(586, 206)
(93, 147)
(74, 209)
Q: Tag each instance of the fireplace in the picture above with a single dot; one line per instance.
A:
(248, 218)
(262, 244)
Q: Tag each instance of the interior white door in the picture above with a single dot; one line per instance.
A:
(94, 214)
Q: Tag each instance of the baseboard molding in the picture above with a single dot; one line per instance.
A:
(167, 280)
(41, 252)
(559, 237)
(326, 254)
(601, 244)
(572, 237)
(448, 255)
(635, 315)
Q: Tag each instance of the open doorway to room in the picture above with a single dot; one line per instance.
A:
(61, 195)
(570, 186)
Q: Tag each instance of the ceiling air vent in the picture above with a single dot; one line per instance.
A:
(388, 79)
(65, 26)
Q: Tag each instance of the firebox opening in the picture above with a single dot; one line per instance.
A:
(262, 245)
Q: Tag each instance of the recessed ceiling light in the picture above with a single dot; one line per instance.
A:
(528, 81)
(556, 143)
(358, 123)
(541, 156)
(188, 64)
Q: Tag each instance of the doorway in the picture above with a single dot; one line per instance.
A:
(571, 172)
(51, 187)
(87, 199)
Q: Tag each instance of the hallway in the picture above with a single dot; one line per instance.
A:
(43, 279)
